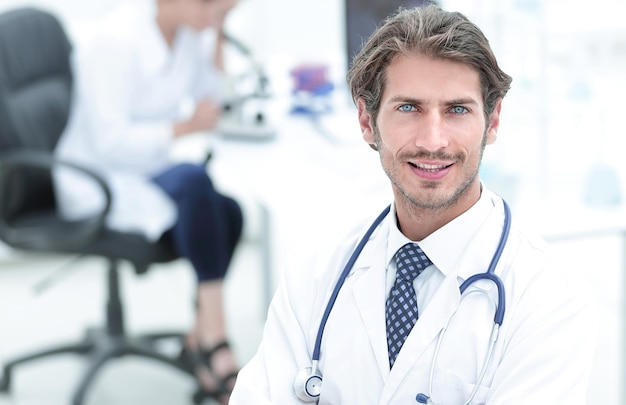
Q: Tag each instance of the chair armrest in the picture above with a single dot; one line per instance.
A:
(51, 233)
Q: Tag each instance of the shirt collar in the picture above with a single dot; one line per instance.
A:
(445, 246)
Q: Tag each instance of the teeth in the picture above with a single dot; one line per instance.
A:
(430, 167)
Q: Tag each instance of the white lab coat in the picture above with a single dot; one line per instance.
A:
(543, 355)
(130, 89)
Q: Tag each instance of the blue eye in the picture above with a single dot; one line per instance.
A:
(406, 108)
(458, 110)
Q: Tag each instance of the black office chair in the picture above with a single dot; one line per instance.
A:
(35, 96)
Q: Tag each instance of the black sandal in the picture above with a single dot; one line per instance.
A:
(189, 359)
(203, 358)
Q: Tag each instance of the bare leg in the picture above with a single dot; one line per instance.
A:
(210, 330)
(210, 320)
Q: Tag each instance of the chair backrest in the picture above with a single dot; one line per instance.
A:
(35, 98)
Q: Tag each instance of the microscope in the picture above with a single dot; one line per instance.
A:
(245, 115)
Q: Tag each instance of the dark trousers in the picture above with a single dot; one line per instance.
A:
(209, 224)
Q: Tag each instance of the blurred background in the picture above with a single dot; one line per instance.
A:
(305, 173)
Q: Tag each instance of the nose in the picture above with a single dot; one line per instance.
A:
(432, 134)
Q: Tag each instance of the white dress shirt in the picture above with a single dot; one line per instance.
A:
(443, 247)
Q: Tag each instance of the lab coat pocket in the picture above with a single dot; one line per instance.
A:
(449, 388)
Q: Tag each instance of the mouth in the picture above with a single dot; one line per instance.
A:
(431, 172)
(430, 168)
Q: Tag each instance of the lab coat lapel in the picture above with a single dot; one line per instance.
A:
(424, 334)
(369, 296)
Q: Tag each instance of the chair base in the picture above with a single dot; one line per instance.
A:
(103, 344)
(100, 346)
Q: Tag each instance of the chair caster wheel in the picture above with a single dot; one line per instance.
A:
(5, 382)
(198, 397)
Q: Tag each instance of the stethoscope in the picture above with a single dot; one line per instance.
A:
(308, 383)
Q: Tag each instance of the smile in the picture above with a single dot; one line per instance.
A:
(429, 168)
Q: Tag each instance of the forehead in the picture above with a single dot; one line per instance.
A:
(425, 77)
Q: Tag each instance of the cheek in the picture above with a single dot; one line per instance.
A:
(396, 135)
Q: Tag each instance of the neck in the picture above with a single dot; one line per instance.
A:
(165, 19)
(416, 223)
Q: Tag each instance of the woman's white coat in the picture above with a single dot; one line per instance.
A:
(130, 89)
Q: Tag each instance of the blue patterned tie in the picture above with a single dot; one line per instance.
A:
(402, 303)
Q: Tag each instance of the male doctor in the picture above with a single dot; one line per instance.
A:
(429, 94)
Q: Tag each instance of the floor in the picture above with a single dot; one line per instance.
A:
(162, 299)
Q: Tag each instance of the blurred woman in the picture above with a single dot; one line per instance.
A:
(134, 73)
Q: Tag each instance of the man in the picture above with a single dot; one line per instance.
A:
(429, 94)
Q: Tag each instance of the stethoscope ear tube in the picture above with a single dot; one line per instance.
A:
(423, 399)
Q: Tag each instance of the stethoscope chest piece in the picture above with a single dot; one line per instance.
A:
(308, 385)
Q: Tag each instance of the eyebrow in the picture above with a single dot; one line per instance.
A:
(417, 101)
(466, 100)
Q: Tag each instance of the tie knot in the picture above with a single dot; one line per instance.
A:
(410, 261)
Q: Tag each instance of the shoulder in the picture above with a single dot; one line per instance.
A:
(537, 277)
(121, 29)
(308, 276)
(320, 264)
(528, 256)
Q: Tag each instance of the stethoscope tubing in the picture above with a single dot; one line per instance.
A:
(342, 278)
(497, 319)
(491, 272)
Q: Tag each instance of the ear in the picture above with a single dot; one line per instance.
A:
(365, 122)
(494, 123)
